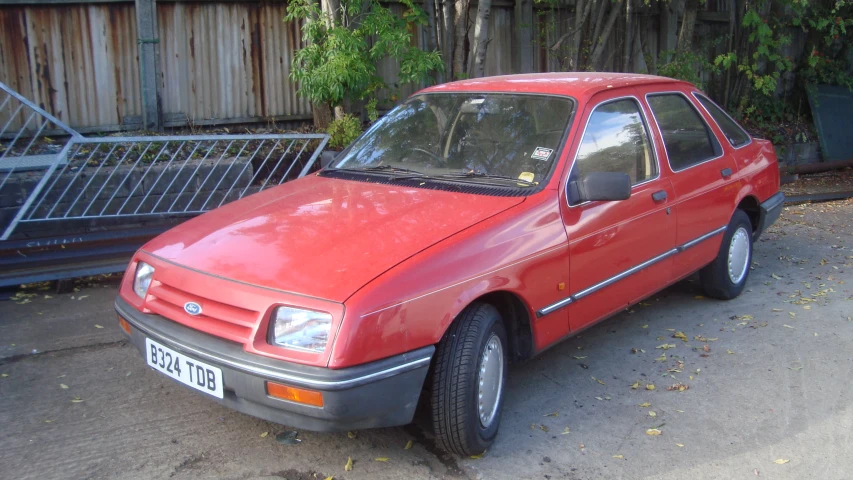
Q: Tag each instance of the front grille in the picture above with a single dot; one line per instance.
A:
(221, 319)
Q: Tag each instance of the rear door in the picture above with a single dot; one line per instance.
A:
(702, 177)
(618, 249)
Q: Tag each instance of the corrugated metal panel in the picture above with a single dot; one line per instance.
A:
(226, 61)
(76, 61)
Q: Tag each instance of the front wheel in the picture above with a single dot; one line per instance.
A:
(469, 375)
(726, 276)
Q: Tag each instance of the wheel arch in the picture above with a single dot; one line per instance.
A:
(750, 205)
(516, 315)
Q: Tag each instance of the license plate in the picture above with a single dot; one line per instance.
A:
(189, 371)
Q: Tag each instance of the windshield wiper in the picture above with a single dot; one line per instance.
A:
(473, 174)
(385, 168)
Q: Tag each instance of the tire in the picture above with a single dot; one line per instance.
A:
(718, 279)
(455, 393)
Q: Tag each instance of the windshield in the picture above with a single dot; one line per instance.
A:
(472, 134)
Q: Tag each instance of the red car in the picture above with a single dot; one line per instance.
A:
(477, 224)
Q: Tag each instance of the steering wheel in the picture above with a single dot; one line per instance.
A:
(430, 154)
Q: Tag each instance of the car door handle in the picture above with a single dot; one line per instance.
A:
(659, 196)
(726, 172)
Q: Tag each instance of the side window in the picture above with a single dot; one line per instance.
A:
(735, 134)
(616, 140)
(687, 138)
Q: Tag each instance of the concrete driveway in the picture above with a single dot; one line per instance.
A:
(770, 396)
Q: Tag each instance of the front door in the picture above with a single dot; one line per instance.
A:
(620, 251)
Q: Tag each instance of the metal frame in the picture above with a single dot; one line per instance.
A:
(137, 176)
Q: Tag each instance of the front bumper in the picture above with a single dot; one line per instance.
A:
(378, 394)
(769, 213)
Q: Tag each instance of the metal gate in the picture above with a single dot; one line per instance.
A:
(73, 206)
(51, 174)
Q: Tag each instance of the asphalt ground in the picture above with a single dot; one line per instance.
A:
(770, 396)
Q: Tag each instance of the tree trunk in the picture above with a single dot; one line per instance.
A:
(322, 116)
(460, 29)
(580, 20)
(605, 34)
(431, 40)
(447, 37)
(626, 59)
(332, 8)
(688, 24)
(481, 34)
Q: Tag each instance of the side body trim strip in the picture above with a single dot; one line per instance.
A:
(619, 276)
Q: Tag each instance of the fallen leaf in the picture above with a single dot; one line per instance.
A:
(706, 348)
(552, 414)
(566, 431)
(661, 358)
(680, 387)
(796, 369)
(680, 335)
(645, 326)
(4, 375)
(76, 400)
(578, 358)
(787, 326)
(543, 428)
(652, 414)
(63, 386)
(777, 277)
(409, 445)
(264, 435)
(792, 314)
(47, 297)
(618, 456)
(330, 477)
(653, 432)
(82, 297)
(730, 352)
(680, 411)
(348, 466)
(645, 405)
(48, 421)
(698, 297)
(98, 326)
(776, 310)
(351, 435)
(381, 459)
(781, 461)
(679, 444)
(634, 385)
(479, 455)
(597, 380)
(650, 387)
(666, 346)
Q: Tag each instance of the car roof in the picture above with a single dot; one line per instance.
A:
(576, 84)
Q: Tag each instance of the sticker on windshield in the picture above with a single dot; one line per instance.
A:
(542, 153)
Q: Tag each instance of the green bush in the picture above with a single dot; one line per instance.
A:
(343, 131)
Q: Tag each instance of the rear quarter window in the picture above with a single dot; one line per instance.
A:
(734, 133)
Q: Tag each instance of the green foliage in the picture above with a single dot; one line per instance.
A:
(687, 66)
(339, 60)
(343, 131)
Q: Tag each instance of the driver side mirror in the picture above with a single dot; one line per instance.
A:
(606, 186)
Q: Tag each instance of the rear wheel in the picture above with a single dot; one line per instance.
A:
(469, 375)
(725, 278)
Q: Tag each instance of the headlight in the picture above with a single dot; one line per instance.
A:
(142, 280)
(300, 329)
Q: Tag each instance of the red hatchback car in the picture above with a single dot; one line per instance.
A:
(477, 224)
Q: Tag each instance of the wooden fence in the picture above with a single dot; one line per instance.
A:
(102, 65)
